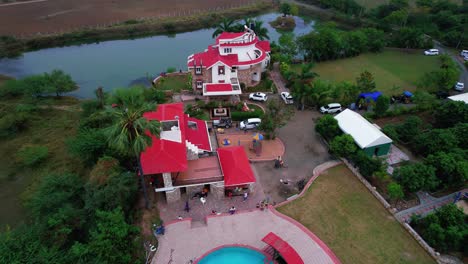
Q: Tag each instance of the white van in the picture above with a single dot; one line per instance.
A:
(250, 123)
(330, 108)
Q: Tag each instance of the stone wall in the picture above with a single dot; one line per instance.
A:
(245, 76)
(205, 77)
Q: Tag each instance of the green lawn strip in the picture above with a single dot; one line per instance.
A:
(47, 127)
(342, 212)
(389, 68)
(263, 86)
(174, 83)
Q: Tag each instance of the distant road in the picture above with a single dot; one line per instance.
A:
(22, 3)
(457, 59)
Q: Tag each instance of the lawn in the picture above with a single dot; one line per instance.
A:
(342, 212)
(174, 83)
(389, 68)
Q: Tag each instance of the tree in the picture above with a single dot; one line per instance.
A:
(451, 168)
(300, 89)
(366, 81)
(88, 145)
(225, 26)
(397, 18)
(409, 129)
(285, 8)
(320, 91)
(108, 241)
(294, 10)
(376, 39)
(260, 30)
(451, 113)
(382, 105)
(348, 92)
(435, 140)
(288, 47)
(395, 191)
(327, 126)
(130, 131)
(425, 100)
(417, 176)
(60, 82)
(410, 38)
(343, 146)
(367, 165)
(275, 117)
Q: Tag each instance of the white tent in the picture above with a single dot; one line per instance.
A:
(365, 134)
(460, 97)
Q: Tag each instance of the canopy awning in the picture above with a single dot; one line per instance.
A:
(235, 166)
(288, 253)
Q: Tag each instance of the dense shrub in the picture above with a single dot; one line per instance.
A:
(89, 107)
(327, 126)
(32, 155)
(88, 145)
(343, 146)
(451, 113)
(11, 124)
(434, 140)
(171, 69)
(416, 177)
(367, 165)
(240, 116)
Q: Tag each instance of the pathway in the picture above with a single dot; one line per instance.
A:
(428, 204)
(183, 241)
(278, 79)
(23, 2)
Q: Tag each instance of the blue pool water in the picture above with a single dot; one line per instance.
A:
(234, 255)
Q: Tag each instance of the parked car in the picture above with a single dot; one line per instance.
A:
(464, 53)
(250, 123)
(442, 94)
(225, 122)
(258, 97)
(431, 52)
(330, 108)
(459, 86)
(287, 98)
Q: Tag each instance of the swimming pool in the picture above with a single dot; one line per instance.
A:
(234, 255)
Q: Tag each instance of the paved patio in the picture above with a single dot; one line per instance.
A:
(183, 241)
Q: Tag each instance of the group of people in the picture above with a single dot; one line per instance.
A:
(279, 163)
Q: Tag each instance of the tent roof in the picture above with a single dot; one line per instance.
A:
(364, 133)
(460, 97)
(370, 95)
(235, 166)
(288, 253)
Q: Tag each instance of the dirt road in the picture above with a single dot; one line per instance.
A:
(53, 16)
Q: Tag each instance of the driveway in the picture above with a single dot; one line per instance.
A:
(303, 152)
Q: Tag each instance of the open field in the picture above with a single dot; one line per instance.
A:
(48, 127)
(389, 68)
(343, 214)
(67, 15)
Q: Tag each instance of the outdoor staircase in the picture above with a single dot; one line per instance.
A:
(192, 150)
(269, 251)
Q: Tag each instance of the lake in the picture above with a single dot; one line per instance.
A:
(120, 63)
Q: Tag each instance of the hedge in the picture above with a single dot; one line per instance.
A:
(240, 116)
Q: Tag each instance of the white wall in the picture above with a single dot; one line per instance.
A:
(215, 77)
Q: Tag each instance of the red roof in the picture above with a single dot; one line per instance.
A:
(165, 155)
(198, 135)
(235, 166)
(264, 45)
(288, 253)
(218, 87)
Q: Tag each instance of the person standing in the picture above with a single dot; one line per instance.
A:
(232, 210)
(246, 195)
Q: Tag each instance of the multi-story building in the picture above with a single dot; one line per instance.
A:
(235, 58)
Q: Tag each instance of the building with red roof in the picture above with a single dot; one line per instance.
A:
(182, 157)
(235, 58)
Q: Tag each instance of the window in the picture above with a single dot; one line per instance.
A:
(198, 70)
(227, 50)
(199, 84)
(220, 70)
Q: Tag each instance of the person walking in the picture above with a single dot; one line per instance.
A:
(232, 210)
(246, 195)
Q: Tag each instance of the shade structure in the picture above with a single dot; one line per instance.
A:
(235, 166)
(288, 253)
(257, 136)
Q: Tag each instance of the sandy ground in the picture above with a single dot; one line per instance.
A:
(52, 16)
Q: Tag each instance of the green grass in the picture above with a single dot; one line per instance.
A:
(371, 3)
(357, 228)
(263, 86)
(174, 83)
(48, 127)
(389, 68)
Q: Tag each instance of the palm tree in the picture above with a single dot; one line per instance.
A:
(300, 80)
(319, 92)
(225, 26)
(129, 132)
(260, 30)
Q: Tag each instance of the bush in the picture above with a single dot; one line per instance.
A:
(11, 124)
(367, 165)
(343, 146)
(32, 155)
(89, 107)
(26, 108)
(171, 69)
(88, 145)
(240, 116)
(391, 131)
(327, 126)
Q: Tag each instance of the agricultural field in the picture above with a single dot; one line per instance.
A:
(46, 16)
(389, 68)
(347, 217)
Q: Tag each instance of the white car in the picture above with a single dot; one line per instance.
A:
(464, 53)
(287, 98)
(431, 52)
(330, 108)
(459, 86)
(258, 97)
(250, 123)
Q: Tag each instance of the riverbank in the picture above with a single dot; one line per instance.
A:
(12, 47)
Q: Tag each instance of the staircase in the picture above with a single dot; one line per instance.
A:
(192, 150)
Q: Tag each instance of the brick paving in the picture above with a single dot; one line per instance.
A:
(183, 241)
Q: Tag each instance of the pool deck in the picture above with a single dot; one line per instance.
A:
(183, 241)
